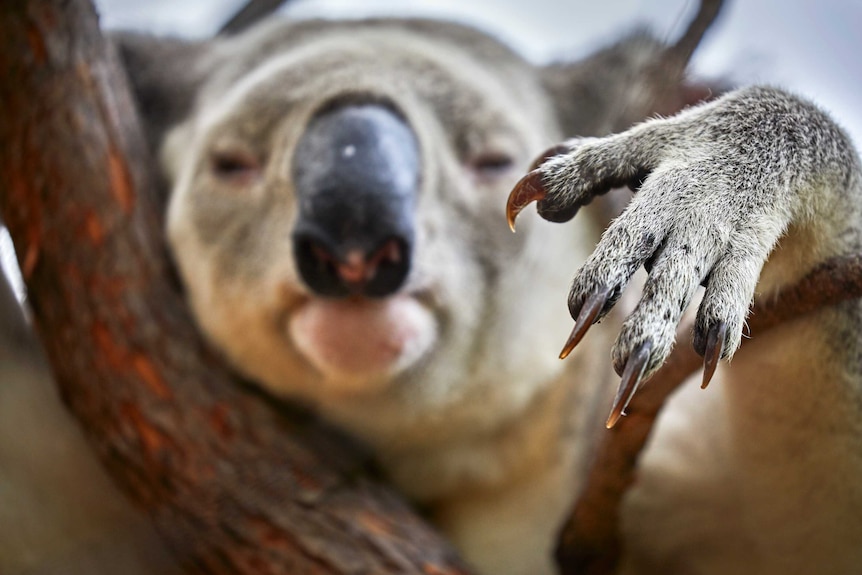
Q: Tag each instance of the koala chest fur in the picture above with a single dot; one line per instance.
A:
(337, 216)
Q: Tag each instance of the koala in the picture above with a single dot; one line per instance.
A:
(336, 202)
(336, 215)
(744, 195)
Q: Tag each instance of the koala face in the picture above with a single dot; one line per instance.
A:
(337, 217)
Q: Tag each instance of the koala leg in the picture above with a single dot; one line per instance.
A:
(743, 195)
(718, 185)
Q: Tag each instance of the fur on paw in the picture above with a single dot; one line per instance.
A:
(689, 224)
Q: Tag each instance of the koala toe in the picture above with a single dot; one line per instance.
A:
(678, 267)
(630, 381)
(631, 240)
(587, 315)
(591, 167)
(568, 176)
(528, 190)
(713, 350)
(553, 151)
(732, 268)
(647, 336)
(729, 292)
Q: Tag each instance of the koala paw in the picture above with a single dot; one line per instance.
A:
(690, 223)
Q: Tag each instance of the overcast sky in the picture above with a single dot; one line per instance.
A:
(812, 48)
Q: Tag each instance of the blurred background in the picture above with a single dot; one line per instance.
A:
(811, 48)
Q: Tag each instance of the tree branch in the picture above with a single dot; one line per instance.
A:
(706, 15)
(234, 485)
(252, 12)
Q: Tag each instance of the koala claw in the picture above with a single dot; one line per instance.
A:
(631, 378)
(714, 349)
(587, 316)
(529, 189)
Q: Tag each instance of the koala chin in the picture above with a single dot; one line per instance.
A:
(360, 346)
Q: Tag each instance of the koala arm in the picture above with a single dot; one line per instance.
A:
(718, 186)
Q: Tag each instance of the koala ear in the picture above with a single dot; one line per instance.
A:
(164, 74)
(635, 78)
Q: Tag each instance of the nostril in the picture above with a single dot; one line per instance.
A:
(385, 269)
(376, 273)
(388, 254)
(354, 270)
(316, 266)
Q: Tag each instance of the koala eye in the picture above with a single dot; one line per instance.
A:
(234, 166)
(492, 164)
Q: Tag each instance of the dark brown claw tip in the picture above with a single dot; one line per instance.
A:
(586, 317)
(714, 348)
(557, 150)
(631, 379)
(529, 189)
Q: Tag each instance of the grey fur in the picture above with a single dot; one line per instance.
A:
(475, 417)
(726, 180)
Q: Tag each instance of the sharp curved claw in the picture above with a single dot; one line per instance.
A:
(714, 349)
(590, 310)
(557, 150)
(631, 379)
(529, 189)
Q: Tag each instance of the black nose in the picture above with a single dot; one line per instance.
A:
(356, 174)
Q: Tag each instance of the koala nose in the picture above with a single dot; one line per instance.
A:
(356, 175)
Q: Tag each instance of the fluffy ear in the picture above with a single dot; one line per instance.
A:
(629, 81)
(164, 74)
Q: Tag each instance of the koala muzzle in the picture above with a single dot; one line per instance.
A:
(356, 172)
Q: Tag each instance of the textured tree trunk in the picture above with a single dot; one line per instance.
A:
(234, 485)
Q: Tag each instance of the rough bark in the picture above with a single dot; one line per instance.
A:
(234, 485)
